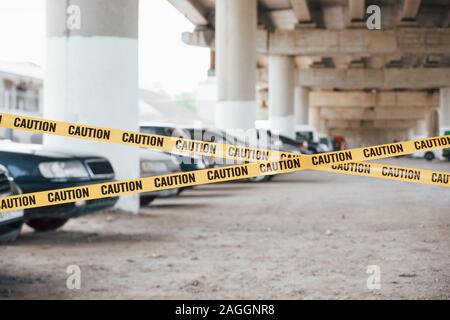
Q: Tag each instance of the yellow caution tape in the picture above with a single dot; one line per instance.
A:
(269, 162)
(377, 170)
(206, 176)
(216, 150)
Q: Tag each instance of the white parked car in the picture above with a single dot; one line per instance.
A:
(153, 163)
(10, 221)
(428, 155)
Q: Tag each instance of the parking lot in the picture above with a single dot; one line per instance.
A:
(304, 235)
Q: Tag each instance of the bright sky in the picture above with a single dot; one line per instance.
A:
(164, 61)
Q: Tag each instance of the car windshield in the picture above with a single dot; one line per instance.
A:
(288, 141)
(304, 135)
(166, 131)
(154, 130)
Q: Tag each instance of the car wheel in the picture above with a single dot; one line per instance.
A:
(259, 179)
(12, 235)
(146, 200)
(46, 224)
(429, 156)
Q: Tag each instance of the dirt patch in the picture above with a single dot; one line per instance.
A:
(302, 236)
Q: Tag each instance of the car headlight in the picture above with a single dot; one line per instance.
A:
(63, 169)
(153, 166)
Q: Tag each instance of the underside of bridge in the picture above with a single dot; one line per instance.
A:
(322, 63)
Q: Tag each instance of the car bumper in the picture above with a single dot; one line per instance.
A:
(67, 210)
(10, 217)
(161, 193)
(10, 221)
(70, 210)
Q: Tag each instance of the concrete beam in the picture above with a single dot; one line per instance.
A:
(192, 11)
(354, 42)
(357, 113)
(358, 42)
(201, 37)
(283, 19)
(375, 124)
(392, 78)
(410, 9)
(359, 99)
(356, 10)
(301, 10)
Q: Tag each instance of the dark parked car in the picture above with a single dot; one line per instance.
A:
(187, 163)
(446, 152)
(155, 163)
(262, 139)
(35, 168)
(10, 221)
(215, 136)
(283, 143)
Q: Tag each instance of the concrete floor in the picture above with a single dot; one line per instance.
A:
(302, 236)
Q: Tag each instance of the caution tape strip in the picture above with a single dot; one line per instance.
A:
(207, 176)
(216, 150)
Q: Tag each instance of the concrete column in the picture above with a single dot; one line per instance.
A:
(281, 94)
(444, 112)
(92, 76)
(432, 120)
(314, 117)
(421, 128)
(236, 22)
(301, 105)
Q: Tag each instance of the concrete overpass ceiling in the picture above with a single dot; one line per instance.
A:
(327, 13)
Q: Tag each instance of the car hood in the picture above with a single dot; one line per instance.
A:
(40, 150)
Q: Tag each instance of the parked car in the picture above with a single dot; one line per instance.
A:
(446, 152)
(262, 139)
(10, 221)
(35, 168)
(283, 143)
(154, 163)
(429, 155)
(316, 147)
(290, 145)
(306, 133)
(187, 163)
(214, 136)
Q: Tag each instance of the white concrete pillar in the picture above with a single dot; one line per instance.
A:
(206, 100)
(432, 123)
(281, 94)
(444, 112)
(236, 22)
(314, 117)
(301, 105)
(421, 128)
(92, 77)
